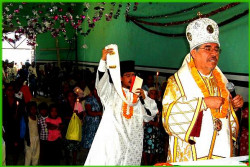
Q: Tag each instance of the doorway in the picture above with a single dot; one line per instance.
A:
(17, 51)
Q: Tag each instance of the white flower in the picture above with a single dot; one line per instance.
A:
(46, 23)
(85, 46)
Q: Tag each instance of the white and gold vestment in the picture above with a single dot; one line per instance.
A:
(190, 123)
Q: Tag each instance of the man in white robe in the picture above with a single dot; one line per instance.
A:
(119, 138)
(198, 110)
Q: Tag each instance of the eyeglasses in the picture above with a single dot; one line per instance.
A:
(209, 49)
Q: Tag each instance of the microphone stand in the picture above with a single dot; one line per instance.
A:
(239, 116)
(231, 89)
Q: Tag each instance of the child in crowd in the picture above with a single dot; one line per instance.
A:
(153, 144)
(32, 143)
(43, 132)
(70, 146)
(54, 123)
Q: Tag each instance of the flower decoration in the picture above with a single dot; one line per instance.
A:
(135, 6)
(128, 8)
(117, 14)
(85, 46)
(54, 18)
(109, 16)
(125, 106)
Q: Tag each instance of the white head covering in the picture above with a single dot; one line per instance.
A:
(152, 88)
(200, 31)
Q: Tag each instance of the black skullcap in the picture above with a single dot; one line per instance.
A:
(127, 66)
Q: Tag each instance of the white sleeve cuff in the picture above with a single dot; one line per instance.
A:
(102, 66)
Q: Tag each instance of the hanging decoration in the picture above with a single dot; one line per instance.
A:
(221, 9)
(17, 37)
(117, 14)
(230, 20)
(109, 16)
(127, 9)
(53, 18)
(84, 46)
(234, 18)
(225, 22)
(98, 12)
(169, 14)
(135, 6)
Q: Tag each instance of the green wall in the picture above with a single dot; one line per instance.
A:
(149, 49)
(46, 41)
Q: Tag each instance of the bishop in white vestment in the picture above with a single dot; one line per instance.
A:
(198, 112)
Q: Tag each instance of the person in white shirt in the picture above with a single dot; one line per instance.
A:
(119, 138)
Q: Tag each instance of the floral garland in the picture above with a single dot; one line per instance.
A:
(220, 84)
(221, 9)
(131, 108)
(117, 14)
(170, 14)
(228, 21)
(53, 18)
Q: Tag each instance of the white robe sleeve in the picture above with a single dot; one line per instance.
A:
(151, 105)
(103, 86)
(102, 66)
